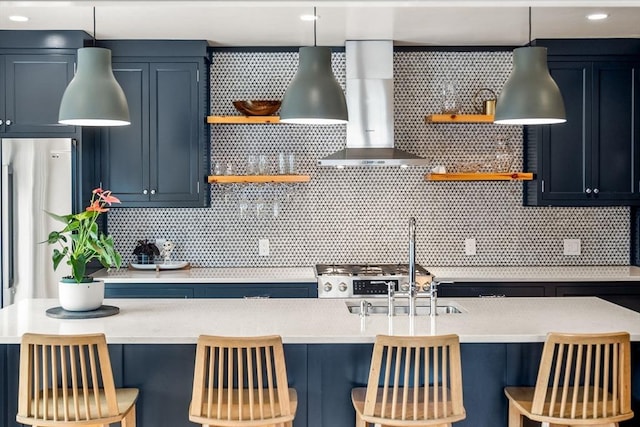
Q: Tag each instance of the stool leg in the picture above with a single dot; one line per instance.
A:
(515, 417)
(130, 419)
(360, 422)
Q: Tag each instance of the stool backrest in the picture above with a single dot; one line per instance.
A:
(420, 378)
(584, 376)
(62, 378)
(240, 379)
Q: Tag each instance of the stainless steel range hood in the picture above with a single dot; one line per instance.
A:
(369, 66)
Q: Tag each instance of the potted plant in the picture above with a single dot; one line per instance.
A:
(146, 251)
(81, 241)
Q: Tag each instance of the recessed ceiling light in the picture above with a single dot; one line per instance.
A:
(18, 18)
(597, 16)
(308, 17)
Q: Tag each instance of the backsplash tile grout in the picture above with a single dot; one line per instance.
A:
(361, 215)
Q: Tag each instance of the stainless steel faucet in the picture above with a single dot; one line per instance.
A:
(412, 292)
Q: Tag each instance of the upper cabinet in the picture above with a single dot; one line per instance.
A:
(592, 159)
(161, 159)
(35, 69)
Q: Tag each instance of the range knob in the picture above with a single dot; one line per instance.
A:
(404, 287)
(342, 286)
(328, 287)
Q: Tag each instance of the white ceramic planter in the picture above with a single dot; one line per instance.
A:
(81, 296)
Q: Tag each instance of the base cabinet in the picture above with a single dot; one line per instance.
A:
(493, 290)
(211, 290)
(624, 294)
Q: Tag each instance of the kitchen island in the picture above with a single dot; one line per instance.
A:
(327, 347)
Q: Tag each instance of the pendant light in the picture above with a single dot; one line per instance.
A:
(530, 96)
(94, 97)
(314, 96)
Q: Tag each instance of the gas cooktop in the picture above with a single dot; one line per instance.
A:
(358, 280)
(367, 270)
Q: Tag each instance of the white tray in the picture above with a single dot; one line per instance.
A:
(175, 265)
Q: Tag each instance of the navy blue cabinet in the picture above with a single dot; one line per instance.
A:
(161, 159)
(211, 290)
(592, 159)
(35, 69)
(33, 89)
(494, 290)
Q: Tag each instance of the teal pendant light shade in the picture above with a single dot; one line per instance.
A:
(530, 96)
(94, 97)
(314, 96)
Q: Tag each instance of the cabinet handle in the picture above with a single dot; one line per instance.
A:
(588, 191)
(596, 191)
(8, 122)
(144, 191)
(1, 122)
(153, 191)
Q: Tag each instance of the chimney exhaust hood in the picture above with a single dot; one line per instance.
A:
(369, 69)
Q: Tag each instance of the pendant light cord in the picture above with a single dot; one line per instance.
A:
(315, 19)
(529, 26)
(94, 26)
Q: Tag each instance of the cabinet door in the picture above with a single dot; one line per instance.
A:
(34, 85)
(560, 153)
(265, 290)
(624, 294)
(491, 290)
(148, 291)
(125, 149)
(614, 152)
(175, 149)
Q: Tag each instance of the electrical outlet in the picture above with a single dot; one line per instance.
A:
(469, 246)
(572, 247)
(263, 247)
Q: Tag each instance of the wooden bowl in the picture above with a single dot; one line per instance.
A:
(257, 107)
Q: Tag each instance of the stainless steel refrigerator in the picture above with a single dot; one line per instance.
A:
(36, 177)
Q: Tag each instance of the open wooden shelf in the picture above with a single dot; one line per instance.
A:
(480, 176)
(459, 118)
(242, 119)
(247, 179)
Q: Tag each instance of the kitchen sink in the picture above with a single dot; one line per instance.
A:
(379, 307)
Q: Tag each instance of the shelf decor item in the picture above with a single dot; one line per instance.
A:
(530, 96)
(314, 96)
(257, 107)
(145, 251)
(81, 242)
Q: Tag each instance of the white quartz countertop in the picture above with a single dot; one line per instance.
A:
(590, 273)
(308, 275)
(181, 321)
(211, 275)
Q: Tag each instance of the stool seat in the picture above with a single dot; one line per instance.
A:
(66, 380)
(583, 380)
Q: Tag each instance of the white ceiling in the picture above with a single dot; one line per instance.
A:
(277, 23)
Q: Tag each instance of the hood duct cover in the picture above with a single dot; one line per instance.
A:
(369, 67)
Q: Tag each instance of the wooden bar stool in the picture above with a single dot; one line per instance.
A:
(66, 380)
(422, 383)
(241, 382)
(583, 380)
